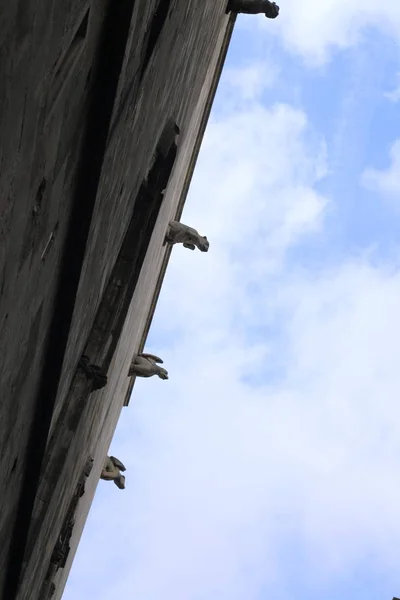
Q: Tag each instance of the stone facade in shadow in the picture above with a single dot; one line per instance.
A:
(103, 106)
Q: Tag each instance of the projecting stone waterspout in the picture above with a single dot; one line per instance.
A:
(145, 365)
(254, 7)
(178, 233)
(112, 472)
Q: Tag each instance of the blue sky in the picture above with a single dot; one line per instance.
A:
(268, 466)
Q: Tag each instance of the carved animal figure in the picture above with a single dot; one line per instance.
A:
(112, 472)
(94, 373)
(145, 365)
(178, 233)
(254, 7)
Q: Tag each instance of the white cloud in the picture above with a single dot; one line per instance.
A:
(280, 420)
(313, 28)
(394, 94)
(385, 181)
(249, 82)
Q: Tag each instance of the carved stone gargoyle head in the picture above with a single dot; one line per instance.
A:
(112, 471)
(273, 11)
(162, 373)
(203, 244)
(120, 482)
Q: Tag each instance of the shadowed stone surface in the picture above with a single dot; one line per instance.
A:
(46, 56)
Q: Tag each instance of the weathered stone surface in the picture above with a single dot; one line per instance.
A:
(146, 365)
(112, 471)
(42, 116)
(179, 233)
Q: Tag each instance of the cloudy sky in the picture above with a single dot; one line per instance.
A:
(268, 466)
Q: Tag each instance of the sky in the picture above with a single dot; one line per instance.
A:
(268, 465)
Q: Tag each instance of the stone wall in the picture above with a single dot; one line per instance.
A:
(169, 73)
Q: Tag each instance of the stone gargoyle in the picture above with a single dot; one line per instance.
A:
(254, 7)
(112, 472)
(178, 233)
(94, 373)
(145, 365)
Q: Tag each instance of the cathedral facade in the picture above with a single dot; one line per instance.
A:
(103, 106)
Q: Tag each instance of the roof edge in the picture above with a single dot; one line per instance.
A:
(186, 186)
